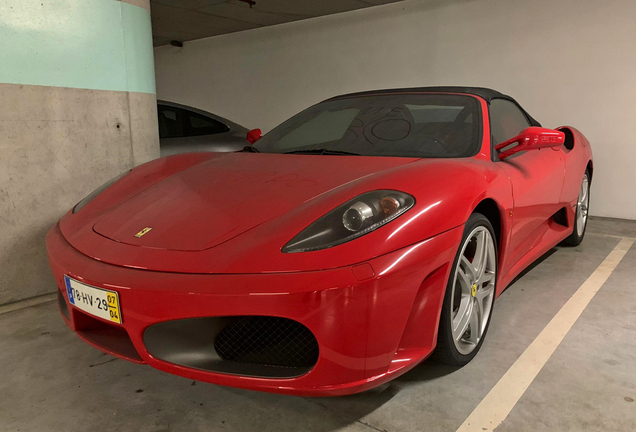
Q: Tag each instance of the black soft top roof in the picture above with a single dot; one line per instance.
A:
(483, 92)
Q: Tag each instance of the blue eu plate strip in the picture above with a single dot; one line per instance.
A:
(69, 290)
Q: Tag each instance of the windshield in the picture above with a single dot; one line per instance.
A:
(403, 125)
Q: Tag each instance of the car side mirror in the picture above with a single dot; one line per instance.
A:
(254, 135)
(532, 138)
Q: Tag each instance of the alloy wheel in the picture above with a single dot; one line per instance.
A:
(582, 205)
(473, 289)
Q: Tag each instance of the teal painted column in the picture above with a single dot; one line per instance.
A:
(77, 107)
(90, 44)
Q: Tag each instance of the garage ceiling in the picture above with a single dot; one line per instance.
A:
(184, 20)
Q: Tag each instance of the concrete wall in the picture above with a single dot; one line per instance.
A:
(566, 61)
(77, 107)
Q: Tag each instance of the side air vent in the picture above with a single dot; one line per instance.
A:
(561, 217)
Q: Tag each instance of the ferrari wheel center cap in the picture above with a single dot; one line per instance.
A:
(473, 290)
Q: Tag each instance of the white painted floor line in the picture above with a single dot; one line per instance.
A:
(27, 303)
(498, 403)
(610, 236)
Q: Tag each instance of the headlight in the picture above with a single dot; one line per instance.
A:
(97, 191)
(351, 220)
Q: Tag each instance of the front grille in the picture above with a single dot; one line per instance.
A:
(268, 341)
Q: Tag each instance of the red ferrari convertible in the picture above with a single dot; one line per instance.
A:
(334, 253)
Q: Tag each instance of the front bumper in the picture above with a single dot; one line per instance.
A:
(372, 321)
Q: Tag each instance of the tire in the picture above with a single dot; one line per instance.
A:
(580, 216)
(465, 288)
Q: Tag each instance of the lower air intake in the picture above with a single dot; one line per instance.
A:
(256, 346)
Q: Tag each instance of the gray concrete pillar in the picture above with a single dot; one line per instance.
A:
(77, 107)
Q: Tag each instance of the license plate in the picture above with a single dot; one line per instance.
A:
(96, 301)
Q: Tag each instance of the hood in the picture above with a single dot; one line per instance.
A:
(220, 198)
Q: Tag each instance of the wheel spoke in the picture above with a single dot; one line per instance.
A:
(480, 248)
(464, 280)
(475, 323)
(479, 262)
(462, 321)
(487, 277)
(584, 188)
(483, 293)
(468, 268)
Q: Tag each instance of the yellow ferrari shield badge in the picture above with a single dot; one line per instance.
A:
(143, 232)
(473, 290)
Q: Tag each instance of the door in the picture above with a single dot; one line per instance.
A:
(536, 177)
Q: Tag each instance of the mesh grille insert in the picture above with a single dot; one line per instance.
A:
(269, 341)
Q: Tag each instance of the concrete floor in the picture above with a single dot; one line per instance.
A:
(51, 381)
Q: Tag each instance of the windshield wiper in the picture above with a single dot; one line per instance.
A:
(323, 152)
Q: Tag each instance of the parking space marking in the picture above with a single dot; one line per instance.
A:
(502, 398)
(610, 236)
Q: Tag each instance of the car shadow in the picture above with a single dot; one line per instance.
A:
(528, 269)
(429, 370)
(358, 406)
